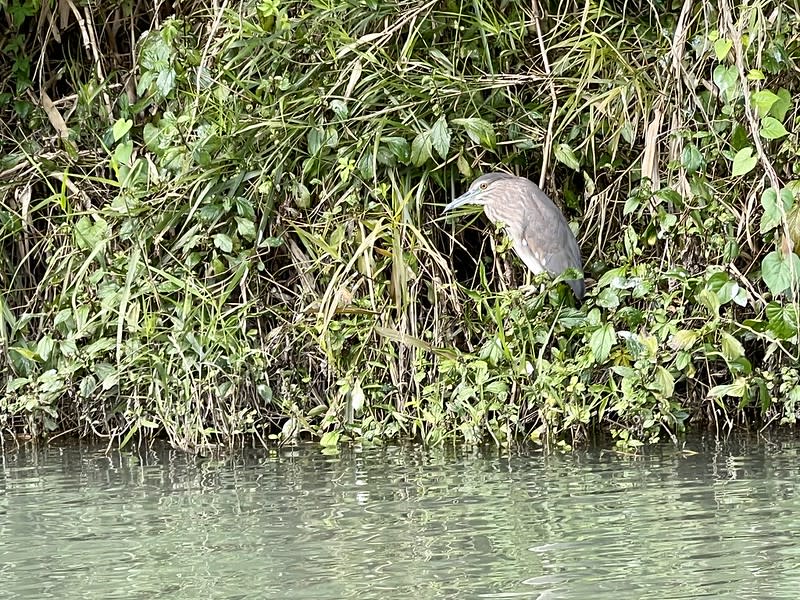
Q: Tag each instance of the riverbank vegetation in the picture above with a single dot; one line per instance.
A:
(220, 223)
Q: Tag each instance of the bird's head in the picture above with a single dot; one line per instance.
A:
(480, 192)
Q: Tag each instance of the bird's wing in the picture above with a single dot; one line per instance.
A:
(547, 233)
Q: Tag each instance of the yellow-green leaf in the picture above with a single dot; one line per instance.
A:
(731, 347)
(565, 155)
(744, 161)
(601, 341)
(721, 48)
(763, 101)
(772, 129)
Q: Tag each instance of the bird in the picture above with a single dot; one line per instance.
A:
(540, 234)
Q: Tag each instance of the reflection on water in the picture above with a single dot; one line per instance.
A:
(401, 522)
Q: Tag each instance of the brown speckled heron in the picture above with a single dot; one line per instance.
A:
(540, 233)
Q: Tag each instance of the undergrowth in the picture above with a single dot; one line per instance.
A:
(223, 224)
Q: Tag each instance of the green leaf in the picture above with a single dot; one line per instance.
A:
(565, 155)
(633, 202)
(420, 149)
(772, 129)
(691, 159)
(329, 439)
(771, 217)
(709, 299)
(223, 242)
(399, 147)
(782, 105)
(616, 278)
(774, 212)
(463, 166)
(731, 347)
(739, 138)
(683, 339)
(755, 75)
(725, 78)
(783, 320)
(721, 48)
(664, 381)
(120, 128)
(744, 161)
(608, 298)
(122, 153)
(89, 234)
(44, 347)
(314, 138)
(736, 389)
(440, 137)
(779, 271)
(763, 101)
(601, 341)
(246, 228)
(479, 131)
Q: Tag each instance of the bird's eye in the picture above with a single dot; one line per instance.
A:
(483, 186)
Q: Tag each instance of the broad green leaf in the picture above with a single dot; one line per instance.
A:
(608, 298)
(314, 139)
(721, 48)
(615, 278)
(122, 153)
(728, 292)
(633, 202)
(763, 101)
(44, 347)
(399, 147)
(246, 228)
(420, 149)
(739, 138)
(755, 75)
(68, 347)
(771, 217)
(726, 79)
(731, 347)
(664, 381)
(120, 128)
(223, 242)
(331, 137)
(89, 233)
(783, 320)
(782, 105)
(463, 166)
(691, 159)
(565, 155)
(602, 340)
(440, 137)
(779, 271)
(773, 210)
(772, 129)
(479, 131)
(709, 299)
(736, 389)
(365, 165)
(329, 439)
(683, 339)
(744, 161)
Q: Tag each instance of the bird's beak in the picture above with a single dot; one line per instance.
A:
(465, 198)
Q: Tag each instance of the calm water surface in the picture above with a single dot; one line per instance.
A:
(717, 520)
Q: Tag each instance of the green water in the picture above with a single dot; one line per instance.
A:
(721, 521)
